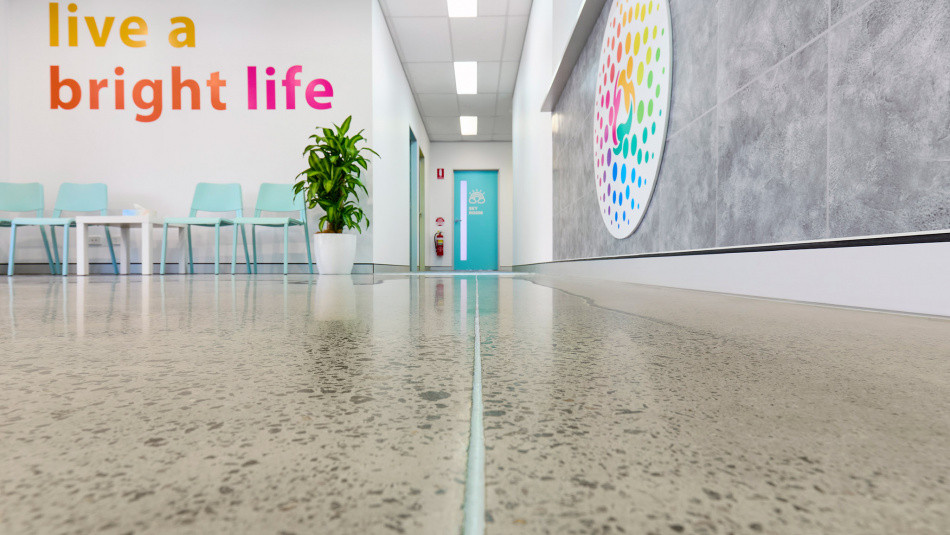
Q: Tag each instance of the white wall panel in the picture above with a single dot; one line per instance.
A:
(564, 19)
(531, 143)
(4, 94)
(906, 278)
(394, 113)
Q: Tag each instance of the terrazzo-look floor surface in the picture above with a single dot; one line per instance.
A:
(343, 404)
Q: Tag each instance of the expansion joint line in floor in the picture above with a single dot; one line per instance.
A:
(474, 508)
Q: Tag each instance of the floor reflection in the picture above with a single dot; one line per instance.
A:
(114, 306)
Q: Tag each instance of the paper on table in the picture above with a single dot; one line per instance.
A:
(139, 210)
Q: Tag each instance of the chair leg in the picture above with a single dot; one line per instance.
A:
(254, 245)
(286, 231)
(247, 259)
(306, 239)
(115, 267)
(12, 247)
(65, 250)
(234, 248)
(217, 247)
(161, 270)
(191, 256)
(49, 256)
(52, 235)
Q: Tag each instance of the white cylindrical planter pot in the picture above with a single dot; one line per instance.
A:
(335, 253)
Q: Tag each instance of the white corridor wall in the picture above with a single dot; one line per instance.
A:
(394, 113)
(4, 94)
(533, 237)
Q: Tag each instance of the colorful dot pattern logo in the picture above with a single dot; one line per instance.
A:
(631, 110)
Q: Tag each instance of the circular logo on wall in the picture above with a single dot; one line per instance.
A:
(631, 110)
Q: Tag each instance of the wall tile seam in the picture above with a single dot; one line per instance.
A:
(716, 176)
(688, 125)
(715, 108)
(770, 71)
(826, 32)
(572, 92)
(828, 127)
(848, 14)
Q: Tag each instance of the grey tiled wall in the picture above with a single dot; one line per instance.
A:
(790, 120)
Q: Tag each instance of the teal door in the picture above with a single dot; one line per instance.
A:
(476, 220)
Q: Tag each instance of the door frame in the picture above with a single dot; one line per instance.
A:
(423, 242)
(416, 205)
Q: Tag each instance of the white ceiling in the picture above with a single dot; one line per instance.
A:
(428, 41)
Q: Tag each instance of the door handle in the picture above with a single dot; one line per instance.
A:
(458, 220)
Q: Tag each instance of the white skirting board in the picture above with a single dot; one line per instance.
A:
(911, 278)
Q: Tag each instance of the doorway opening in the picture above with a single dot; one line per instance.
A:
(417, 241)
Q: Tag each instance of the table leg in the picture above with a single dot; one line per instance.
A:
(82, 251)
(146, 255)
(81, 306)
(124, 253)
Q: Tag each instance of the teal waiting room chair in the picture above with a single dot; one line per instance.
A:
(71, 198)
(209, 198)
(16, 197)
(275, 198)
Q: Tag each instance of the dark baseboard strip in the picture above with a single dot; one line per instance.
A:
(872, 241)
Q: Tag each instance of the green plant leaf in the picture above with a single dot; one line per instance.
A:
(331, 181)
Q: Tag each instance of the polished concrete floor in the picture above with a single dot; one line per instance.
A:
(344, 405)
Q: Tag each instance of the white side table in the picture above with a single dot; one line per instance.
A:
(125, 224)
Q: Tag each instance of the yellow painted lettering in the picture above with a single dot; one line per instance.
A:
(127, 31)
(184, 36)
(99, 38)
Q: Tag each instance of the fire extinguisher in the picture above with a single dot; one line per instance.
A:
(439, 244)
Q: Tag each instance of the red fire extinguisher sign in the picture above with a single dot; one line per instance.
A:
(440, 173)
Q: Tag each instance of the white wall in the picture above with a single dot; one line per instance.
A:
(564, 18)
(158, 163)
(531, 143)
(462, 156)
(394, 113)
(4, 95)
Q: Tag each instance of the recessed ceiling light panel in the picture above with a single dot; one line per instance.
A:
(463, 8)
(469, 125)
(466, 77)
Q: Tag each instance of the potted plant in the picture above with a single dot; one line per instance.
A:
(332, 182)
